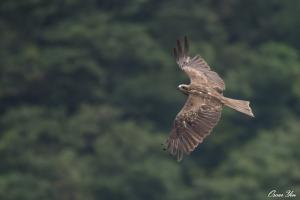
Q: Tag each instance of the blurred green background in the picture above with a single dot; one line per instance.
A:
(88, 95)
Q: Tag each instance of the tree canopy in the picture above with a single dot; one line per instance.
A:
(88, 95)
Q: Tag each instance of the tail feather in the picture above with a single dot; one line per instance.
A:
(239, 105)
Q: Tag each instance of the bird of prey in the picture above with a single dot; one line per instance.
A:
(204, 104)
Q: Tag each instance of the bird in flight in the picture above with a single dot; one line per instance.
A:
(202, 110)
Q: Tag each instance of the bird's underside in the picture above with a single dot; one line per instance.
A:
(202, 110)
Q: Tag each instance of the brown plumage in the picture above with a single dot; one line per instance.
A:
(202, 110)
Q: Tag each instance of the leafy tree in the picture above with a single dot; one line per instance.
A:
(87, 95)
(269, 162)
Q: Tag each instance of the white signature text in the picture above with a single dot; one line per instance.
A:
(287, 194)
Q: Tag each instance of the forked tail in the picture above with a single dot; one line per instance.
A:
(239, 105)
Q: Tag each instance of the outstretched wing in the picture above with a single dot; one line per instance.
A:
(192, 124)
(196, 68)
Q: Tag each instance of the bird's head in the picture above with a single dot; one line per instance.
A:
(184, 88)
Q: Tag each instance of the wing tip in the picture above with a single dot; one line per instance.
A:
(173, 146)
(182, 47)
(179, 47)
(186, 44)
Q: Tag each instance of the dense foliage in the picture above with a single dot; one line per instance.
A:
(88, 95)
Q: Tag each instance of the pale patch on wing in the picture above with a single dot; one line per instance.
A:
(205, 74)
(196, 77)
(200, 65)
(199, 62)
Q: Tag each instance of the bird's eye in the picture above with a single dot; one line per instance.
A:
(184, 87)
